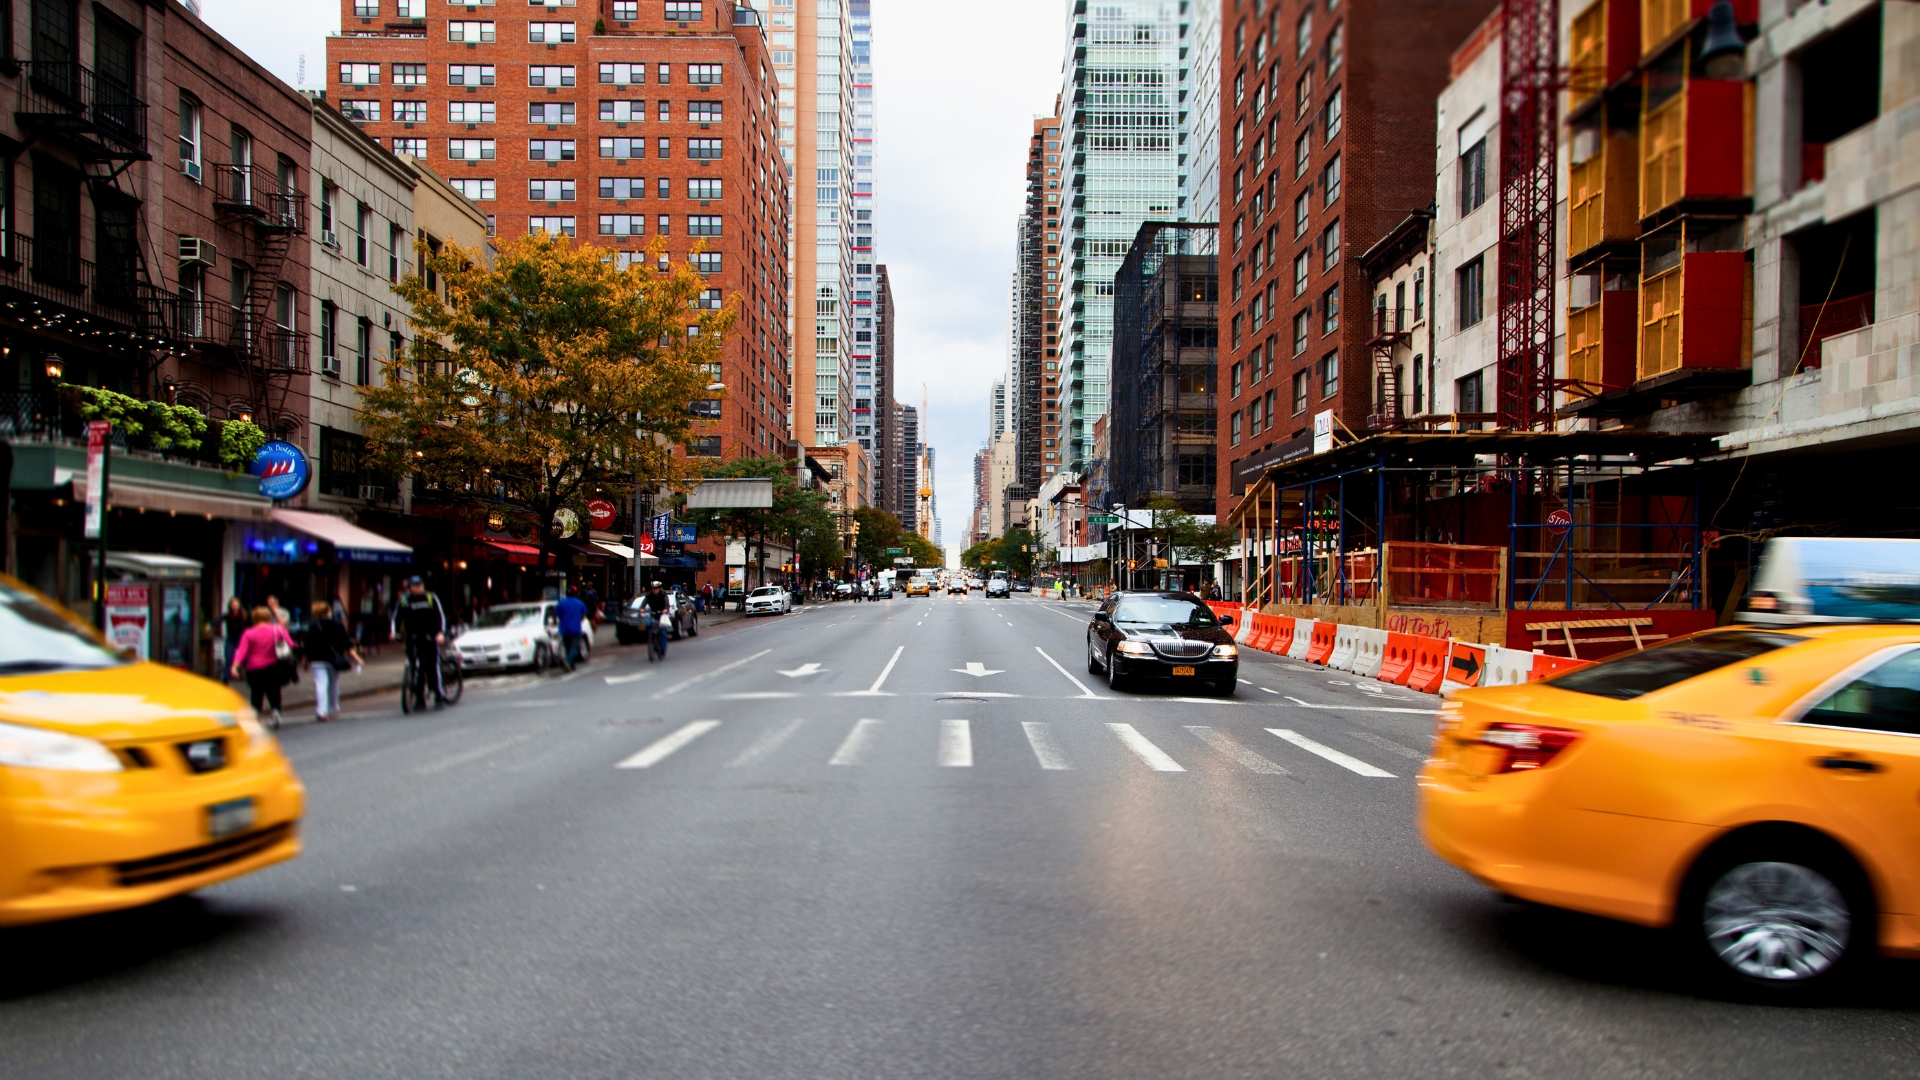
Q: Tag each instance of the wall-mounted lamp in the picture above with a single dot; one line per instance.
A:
(1723, 55)
(55, 367)
(246, 416)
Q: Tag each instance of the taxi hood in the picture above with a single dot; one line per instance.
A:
(132, 702)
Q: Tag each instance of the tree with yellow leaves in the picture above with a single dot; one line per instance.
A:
(550, 377)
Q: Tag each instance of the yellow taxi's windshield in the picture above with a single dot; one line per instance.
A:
(34, 637)
(1657, 668)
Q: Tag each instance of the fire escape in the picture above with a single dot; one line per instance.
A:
(1530, 83)
(269, 212)
(1389, 333)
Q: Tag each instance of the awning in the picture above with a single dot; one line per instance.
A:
(626, 553)
(519, 554)
(351, 543)
(177, 498)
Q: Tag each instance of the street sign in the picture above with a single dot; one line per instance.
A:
(97, 433)
(1558, 522)
(1103, 519)
(896, 551)
(903, 562)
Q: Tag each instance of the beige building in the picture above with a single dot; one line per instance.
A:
(1003, 471)
(848, 483)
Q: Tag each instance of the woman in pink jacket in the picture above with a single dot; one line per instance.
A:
(259, 656)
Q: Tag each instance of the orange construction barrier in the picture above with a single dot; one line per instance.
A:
(1429, 667)
(1282, 634)
(1398, 658)
(1224, 610)
(1261, 633)
(1466, 661)
(1545, 665)
(1322, 647)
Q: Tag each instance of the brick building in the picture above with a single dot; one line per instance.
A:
(1327, 128)
(619, 122)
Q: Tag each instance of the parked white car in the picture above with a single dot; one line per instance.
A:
(769, 600)
(514, 635)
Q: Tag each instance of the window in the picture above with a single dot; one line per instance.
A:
(1302, 270)
(366, 9)
(1233, 380)
(557, 226)
(1419, 381)
(686, 11)
(360, 74)
(623, 224)
(550, 75)
(1661, 666)
(665, 225)
(1300, 380)
(664, 147)
(1330, 310)
(1256, 416)
(1329, 375)
(469, 74)
(329, 330)
(1303, 36)
(551, 190)
(190, 161)
(703, 112)
(550, 33)
(1419, 294)
(1238, 328)
(1233, 430)
(362, 224)
(549, 149)
(626, 10)
(363, 352)
(703, 74)
(1330, 180)
(703, 190)
(711, 299)
(707, 262)
(703, 225)
(622, 148)
(416, 147)
(326, 207)
(623, 111)
(1301, 322)
(396, 237)
(1302, 154)
(1473, 177)
(1330, 246)
(1303, 94)
(470, 149)
(1239, 135)
(1467, 394)
(1332, 114)
(623, 74)
(1302, 214)
(471, 33)
(703, 149)
(623, 187)
(470, 112)
(410, 112)
(550, 112)
(409, 74)
(709, 409)
(664, 188)
(1335, 48)
(704, 446)
(1194, 469)
(1470, 282)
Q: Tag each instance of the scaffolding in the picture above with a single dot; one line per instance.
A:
(1164, 409)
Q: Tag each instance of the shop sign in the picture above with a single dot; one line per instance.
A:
(283, 470)
(736, 579)
(129, 609)
(643, 544)
(1323, 431)
(567, 522)
(600, 513)
(686, 534)
(662, 526)
(96, 474)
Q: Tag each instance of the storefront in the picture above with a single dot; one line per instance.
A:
(299, 556)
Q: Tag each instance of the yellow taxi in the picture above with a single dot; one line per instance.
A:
(123, 783)
(918, 586)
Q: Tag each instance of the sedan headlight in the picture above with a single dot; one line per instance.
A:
(1225, 652)
(258, 737)
(33, 748)
(1136, 648)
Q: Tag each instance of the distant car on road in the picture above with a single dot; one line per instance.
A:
(956, 585)
(512, 636)
(769, 600)
(918, 586)
(998, 587)
(1023, 586)
(843, 591)
(1170, 637)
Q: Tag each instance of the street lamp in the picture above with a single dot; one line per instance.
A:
(55, 366)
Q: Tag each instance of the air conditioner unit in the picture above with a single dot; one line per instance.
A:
(192, 168)
(373, 492)
(197, 252)
(330, 365)
(330, 238)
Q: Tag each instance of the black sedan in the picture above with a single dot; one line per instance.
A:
(1169, 637)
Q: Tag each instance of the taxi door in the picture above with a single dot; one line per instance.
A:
(1857, 740)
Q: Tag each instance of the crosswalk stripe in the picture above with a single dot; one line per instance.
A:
(1389, 747)
(1156, 758)
(1343, 760)
(1045, 749)
(664, 747)
(855, 744)
(765, 744)
(1235, 751)
(956, 744)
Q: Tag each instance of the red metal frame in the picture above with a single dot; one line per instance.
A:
(1530, 82)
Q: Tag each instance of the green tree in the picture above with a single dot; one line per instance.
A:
(1018, 550)
(798, 515)
(879, 532)
(545, 377)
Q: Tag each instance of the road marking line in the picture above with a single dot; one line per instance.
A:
(1084, 692)
(1040, 737)
(956, 744)
(765, 744)
(1235, 751)
(874, 690)
(469, 756)
(622, 680)
(1156, 758)
(721, 670)
(1205, 700)
(1390, 747)
(665, 746)
(1270, 691)
(1345, 761)
(760, 695)
(855, 744)
(1361, 708)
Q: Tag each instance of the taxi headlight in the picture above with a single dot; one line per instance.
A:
(1225, 652)
(33, 748)
(1136, 648)
(258, 737)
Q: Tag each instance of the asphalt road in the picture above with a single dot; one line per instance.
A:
(823, 846)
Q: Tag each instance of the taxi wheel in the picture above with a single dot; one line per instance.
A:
(1784, 917)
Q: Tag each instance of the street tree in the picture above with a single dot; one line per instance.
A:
(798, 516)
(544, 378)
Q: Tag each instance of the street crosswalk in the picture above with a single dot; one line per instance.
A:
(860, 745)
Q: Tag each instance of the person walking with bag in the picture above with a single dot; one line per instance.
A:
(329, 650)
(266, 654)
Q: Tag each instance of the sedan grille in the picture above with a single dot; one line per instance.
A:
(1183, 650)
(200, 859)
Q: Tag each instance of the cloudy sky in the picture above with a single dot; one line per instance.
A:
(956, 88)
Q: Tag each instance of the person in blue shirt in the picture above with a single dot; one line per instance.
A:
(575, 621)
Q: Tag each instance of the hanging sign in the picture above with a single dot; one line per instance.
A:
(567, 522)
(129, 610)
(97, 431)
(686, 534)
(643, 544)
(283, 470)
(600, 513)
(662, 526)
(1323, 432)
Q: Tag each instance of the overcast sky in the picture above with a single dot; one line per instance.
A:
(956, 87)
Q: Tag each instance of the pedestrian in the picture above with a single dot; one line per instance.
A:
(266, 654)
(328, 650)
(233, 624)
(280, 615)
(574, 617)
(590, 596)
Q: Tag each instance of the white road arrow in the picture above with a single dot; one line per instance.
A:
(976, 669)
(802, 671)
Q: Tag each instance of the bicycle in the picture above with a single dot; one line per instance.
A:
(413, 683)
(656, 638)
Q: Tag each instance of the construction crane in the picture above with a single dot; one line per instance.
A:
(1531, 79)
(923, 507)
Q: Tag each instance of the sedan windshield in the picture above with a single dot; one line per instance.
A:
(769, 590)
(1634, 674)
(35, 637)
(1165, 610)
(507, 616)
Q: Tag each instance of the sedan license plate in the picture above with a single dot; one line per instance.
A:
(227, 818)
(1183, 671)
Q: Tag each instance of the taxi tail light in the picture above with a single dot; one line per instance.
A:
(1526, 746)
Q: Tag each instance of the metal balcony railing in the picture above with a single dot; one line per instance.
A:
(70, 98)
(55, 274)
(1390, 322)
(282, 351)
(255, 191)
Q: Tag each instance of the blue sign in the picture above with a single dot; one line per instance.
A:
(283, 470)
(685, 534)
(662, 527)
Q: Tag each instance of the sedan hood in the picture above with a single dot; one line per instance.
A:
(498, 635)
(134, 702)
(1177, 642)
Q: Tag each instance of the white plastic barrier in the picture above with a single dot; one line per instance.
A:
(1371, 653)
(1346, 643)
(1242, 625)
(1506, 667)
(1302, 639)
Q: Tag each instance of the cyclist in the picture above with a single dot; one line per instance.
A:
(421, 622)
(657, 608)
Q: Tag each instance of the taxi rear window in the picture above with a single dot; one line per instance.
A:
(1634, 674)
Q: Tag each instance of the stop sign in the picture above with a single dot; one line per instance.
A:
(1558, 521)
(600, 513)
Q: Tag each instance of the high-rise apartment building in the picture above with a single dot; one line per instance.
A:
(869, 420)
(909, 510)
(997, 409)
(1200, 192)
(1122, 124)
(1034, 394)
(888, 455)
(618, 124)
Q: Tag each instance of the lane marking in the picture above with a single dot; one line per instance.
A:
(944, 694)
(765, 744)
(855, 744)
(803, 671)
(664, 747)
(1389, 747)
(956, 744)
(1363, 708)
(760, 695)
(1235, 751)
(874, 690)
(1045, 749)
(978, 670)
(1270, 691)
(1345, 761)
(469, 756)
(1084, 692)
(1156, 758)
(1204, 700)
(622, 680)
(722, 670)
